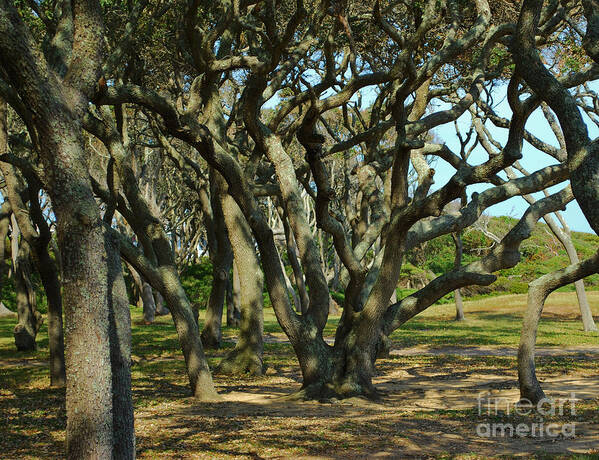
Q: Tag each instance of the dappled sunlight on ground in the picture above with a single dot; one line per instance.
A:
(430, 387)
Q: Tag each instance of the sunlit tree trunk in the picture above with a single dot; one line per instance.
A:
(246, 357)
(538, 291)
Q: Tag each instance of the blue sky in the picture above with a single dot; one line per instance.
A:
(532, 160)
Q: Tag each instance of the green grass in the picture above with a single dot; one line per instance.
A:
(492, 321)
(498, 321)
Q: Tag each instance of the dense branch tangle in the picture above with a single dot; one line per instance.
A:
(295, 124)
(323, 114)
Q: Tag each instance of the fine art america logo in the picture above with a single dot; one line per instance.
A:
(494, 408)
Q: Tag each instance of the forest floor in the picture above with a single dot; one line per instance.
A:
(439, 388)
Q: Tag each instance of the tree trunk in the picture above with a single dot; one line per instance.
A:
(49, 275)
(47, 267)
(588, 323)
(538, 292)
(5, 212)
(161, 308)
(340, 372)
(119, 317)
(459, 248)
(290, 290)
(187, 329)
(564, 236)
(149, 307)
(86, 254)
(166, 279)
(527, 378)
(292, 254)
(459, 306)
(246, 357)
(29, 319)
(221, 263)
(212, 330)
(144, 293)
(234, 300)
(157, 265)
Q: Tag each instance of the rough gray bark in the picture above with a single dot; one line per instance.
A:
(538, 292)
(246, 357)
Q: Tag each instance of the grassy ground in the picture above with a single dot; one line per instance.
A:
(429, 407)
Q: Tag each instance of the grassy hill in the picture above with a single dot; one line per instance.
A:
(541, 253)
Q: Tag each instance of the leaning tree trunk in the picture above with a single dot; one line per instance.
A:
(5, 212)
(187, 329)
(564, 236)
(538, 291)
(157, 265)
(165, 278)
(588, 323)
(29, 319)
(246, 357)
(145, 295)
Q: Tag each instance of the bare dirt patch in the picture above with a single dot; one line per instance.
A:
(425, 411)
